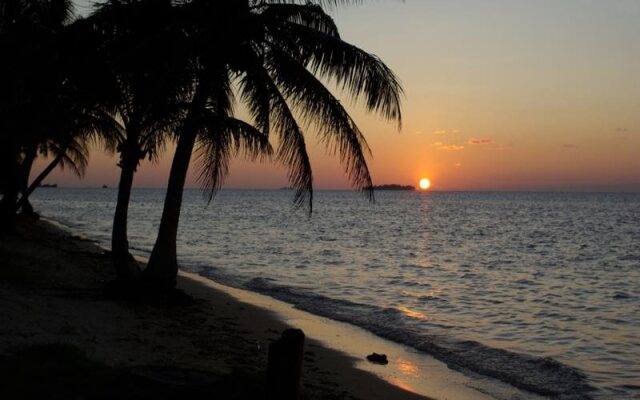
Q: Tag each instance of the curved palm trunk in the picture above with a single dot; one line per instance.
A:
(36, 182)
(8, 221)
(27, 208)
(27, 164)
(9, 186)
(162, 269)
(126, 268)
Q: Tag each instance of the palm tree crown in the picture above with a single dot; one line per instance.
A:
(275, 58)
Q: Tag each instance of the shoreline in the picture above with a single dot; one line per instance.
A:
(334, 358)
(408, 369)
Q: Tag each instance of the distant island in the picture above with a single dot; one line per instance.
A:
(393, 187)
(48, 185)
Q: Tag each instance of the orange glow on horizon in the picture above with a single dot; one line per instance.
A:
(560, 116)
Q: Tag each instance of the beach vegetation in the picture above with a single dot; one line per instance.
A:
(276, 59)
(142, 87)
(163, 71)
(28, 39)
(42, 109)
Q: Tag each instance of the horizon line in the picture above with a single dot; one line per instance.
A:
(282, 189)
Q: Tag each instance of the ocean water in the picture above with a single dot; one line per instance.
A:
(541, 290)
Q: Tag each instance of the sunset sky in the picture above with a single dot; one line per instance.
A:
(500, 95)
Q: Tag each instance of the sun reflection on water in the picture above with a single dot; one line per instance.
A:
(412, 313)
(407, 367)
(402, 384)
(409, 371)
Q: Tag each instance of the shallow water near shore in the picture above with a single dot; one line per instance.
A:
(408, 369)
(539, 290)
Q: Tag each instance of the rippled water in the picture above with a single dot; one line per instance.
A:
(484, 281)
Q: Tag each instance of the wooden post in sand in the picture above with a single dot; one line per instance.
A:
(284, 367)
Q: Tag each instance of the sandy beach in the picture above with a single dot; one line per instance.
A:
(52, 291)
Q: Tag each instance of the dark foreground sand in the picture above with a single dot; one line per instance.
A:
(52, 291)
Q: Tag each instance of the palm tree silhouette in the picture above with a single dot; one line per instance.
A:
(30, 80)
(276, 53)
(53, 113)
(144, 92)
(69, 149)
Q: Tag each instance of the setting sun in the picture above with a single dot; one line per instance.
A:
(425, 183)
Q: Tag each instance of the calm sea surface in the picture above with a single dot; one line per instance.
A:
(496, 283)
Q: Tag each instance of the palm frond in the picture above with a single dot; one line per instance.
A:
(318, 106)
(74, 156)
(58, 12)
(222, 99)
(360, 74)
(321, 3)
(307, 15)
(267, 104)
(292, 151)
(220, 139)
(109, 129)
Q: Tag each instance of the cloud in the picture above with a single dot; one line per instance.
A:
(479, 141)
(488, 144)
(621, 130)
(569, 146)
(448, 147)
(452, 147)
(444, 131)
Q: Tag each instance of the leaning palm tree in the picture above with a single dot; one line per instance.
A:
(70, 132)
(143, 90)
(30, 33)
(63, 132)
(71, 153)
(72, 119)
(278, 54)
